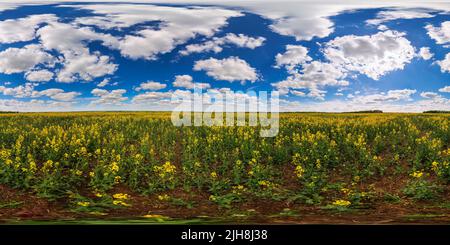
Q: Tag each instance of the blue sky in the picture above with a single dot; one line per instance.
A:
(63, 56)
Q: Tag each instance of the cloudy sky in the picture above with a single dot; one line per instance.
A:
(128, 55)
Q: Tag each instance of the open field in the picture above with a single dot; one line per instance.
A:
(320, 168)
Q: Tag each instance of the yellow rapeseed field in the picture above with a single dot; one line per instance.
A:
(94, 162)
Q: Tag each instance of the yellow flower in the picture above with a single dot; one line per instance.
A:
(238, 189)
(117, 179)
(264, 183)
(213, 175)
(212, 198)
(121, 196)
(8, 162)
(168, 167)
(155, 216)
(167, 170)
(92, 174)
(342, 203)
(121, 203)
(33, 166)
(299, 171)
(83, 204)
(78, 172)
(98, 195)
(48, 164)
(435, 166)
(318, 165)
(114, 167)
(164, 197)
(417, 174)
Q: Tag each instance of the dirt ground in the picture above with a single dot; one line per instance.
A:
(16, 206)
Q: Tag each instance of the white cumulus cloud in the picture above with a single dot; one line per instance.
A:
(186, 81)
(389, 15)
(177, 25)
(85, 67)
(373, 55)
(43, 75)
(229, 69)
(17, 60)
(445, 89)
(22, 29)
(216, 44)
(150, 85)
(425, 53)
(445, 63)
(441, 34)
(389, 96)
(429, 95)
(105, 97)
(27, 91)
(294, 55)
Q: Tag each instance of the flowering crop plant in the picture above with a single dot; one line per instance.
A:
(254, 112)
(112, 164)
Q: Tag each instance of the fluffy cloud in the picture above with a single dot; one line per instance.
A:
(440, 34)
(85, 67)
(345, 106)
(229, 69)
(23, 29)
(294, 55)
(69, 39)
(298, 93)
(390, 96)
(306, 73)
(57, 94)
(177, 25)
(216, 45)
(39, 75)
(445, 63)
(445, 89)
(244, 41)
(374, 55)
(425, 53)
(389, 15)
(105, 82)
(21, 91)
(78, 62)
(34, 105)
(17, 60)
(27, 91)
(150, 85)
(429, 95)
(151, 97)
(312, 76)
(113, 97)
(186, 81)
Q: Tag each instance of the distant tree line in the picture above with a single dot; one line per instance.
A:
(436, 111)
(367, 111)
(7, 112)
